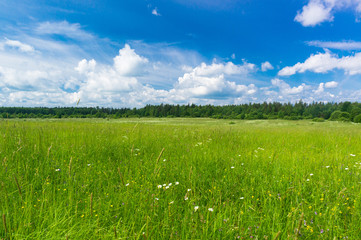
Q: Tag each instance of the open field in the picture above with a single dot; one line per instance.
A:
(215, 179)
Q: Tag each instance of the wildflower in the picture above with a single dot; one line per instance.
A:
(308, 180)
(196, 208)
(156, 199)
(327, 166)
(232, 167)
(160, 186)
(346, 169)
(352, 155)
(170, 184)
(321, 231)
(176, 183)
(89, 164)
(186, 198)
(315, 213)
(171, 202)
(57, 170)
(166, 187)
(127, 184)
(210, 209)
(164, 160)
(241, 198)
(311, 174)
(189, 189)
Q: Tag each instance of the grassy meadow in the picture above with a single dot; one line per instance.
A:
(179, 179)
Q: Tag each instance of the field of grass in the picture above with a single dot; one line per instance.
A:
(179, 179)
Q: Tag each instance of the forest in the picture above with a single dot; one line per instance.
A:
(318, 111)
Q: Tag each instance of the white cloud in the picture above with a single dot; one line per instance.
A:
(343, 45)
(71, 30)
(120, 77)
(331, 84)
(319, 11)
(22, 47)
(266, 66)
(285, 88)
(206, 81)
(320, 89)
(155, 12)
(128, 63)
(325, 62)
(322, 86)
(85, 66)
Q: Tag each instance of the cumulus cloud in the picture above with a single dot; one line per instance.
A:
(325, 62)
(322, 86)
(343, 45)
(85, 66)
(331, 84)
(128, 63)
(285, 88)
(22, 47)
(155, 12)
(319, 11)
(118, 77)
(210, 80)
(266, 66)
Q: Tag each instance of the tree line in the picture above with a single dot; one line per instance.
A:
(319, 111)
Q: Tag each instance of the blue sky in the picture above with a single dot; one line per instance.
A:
(129, 53)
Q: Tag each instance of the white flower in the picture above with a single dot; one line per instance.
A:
(196, 208)
(57, 170)
(232, 167)
(308, 180)
(160, 186)
(311, 174)
(176, 183)
(186, 198)
(171, 202)
(164, 160)
(189, 190)
(241, 198)
(352, 155)
(261, 149)
(242, 164)
(166, 187)
(127, 184)
(170, 184)
(346, 168)
(327, 166)
(89, 164)
(156, 199)
(210, 209)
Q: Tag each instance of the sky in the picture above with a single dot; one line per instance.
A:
(130, 53)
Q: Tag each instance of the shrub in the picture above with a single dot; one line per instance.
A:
(318, 120)
(340, 116)
(357, 119)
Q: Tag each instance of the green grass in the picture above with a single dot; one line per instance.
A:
(98, 179)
